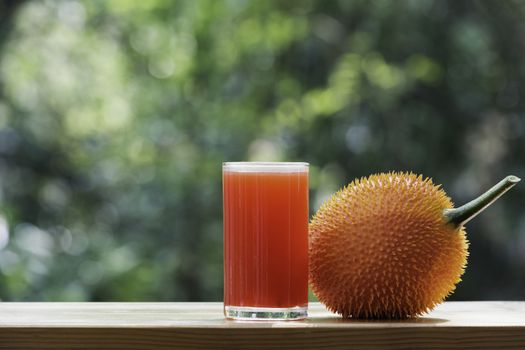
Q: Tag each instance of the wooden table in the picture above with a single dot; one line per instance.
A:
(453, 325)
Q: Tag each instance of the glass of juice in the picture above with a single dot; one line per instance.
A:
(265, 240)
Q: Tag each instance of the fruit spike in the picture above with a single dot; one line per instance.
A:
(390, 245)
(460, 216)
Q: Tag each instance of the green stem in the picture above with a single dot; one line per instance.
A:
(460, 216)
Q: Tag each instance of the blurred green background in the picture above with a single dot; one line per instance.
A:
(115, 117)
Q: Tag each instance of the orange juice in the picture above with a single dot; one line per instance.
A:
(265, 240)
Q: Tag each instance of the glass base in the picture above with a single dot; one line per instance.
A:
(244, 313)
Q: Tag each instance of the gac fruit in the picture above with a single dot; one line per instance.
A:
(391, 246)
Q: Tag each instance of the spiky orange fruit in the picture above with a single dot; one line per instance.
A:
(382, 247)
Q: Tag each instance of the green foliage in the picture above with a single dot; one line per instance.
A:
(115, 117)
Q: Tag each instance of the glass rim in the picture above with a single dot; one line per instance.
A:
(279, 167)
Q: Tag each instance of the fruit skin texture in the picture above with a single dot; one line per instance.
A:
(381, 248)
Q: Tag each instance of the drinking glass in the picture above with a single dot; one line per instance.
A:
(265, 240)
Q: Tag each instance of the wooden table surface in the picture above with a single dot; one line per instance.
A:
(453, 325)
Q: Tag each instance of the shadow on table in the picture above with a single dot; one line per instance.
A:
(418, 320)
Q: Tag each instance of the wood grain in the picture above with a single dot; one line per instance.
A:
(453, 325)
